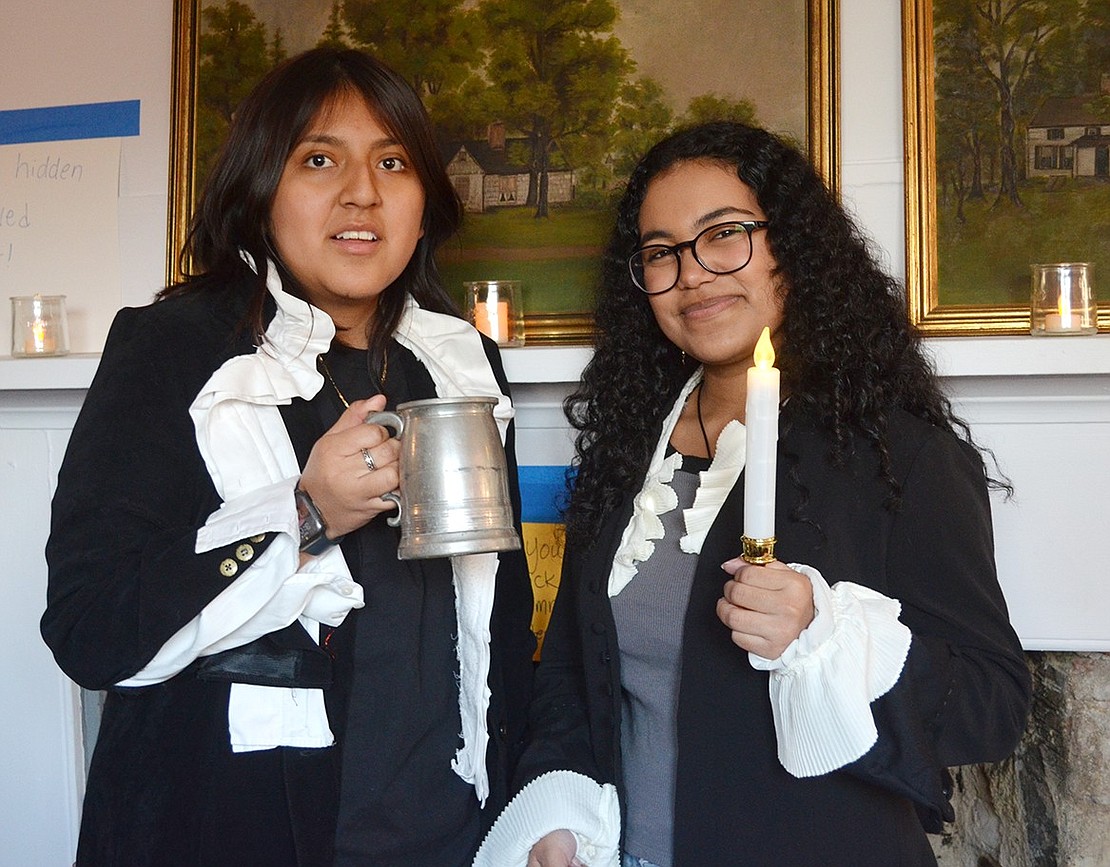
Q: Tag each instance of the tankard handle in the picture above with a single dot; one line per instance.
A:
(389, 420)
(393, 497)
(395, 425)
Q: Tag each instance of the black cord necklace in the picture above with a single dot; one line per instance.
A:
(701, 422)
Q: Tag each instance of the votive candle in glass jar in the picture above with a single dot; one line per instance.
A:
(39, 325)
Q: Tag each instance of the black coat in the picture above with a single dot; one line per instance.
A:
(164, 787)
(963, 695)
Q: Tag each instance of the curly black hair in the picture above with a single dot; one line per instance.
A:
(848, 352)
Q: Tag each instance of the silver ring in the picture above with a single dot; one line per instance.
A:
(368, 460)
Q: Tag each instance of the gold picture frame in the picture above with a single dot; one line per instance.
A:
(821, 83)
(929, 310)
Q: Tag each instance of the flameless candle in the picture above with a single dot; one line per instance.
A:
(1061, 319)
(494, 307)
(39, 325)
(761, 422)
(492, 318)
(1063, 299)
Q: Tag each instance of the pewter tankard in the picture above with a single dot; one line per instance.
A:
(454, 488)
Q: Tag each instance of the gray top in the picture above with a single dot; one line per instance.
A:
(649, 614)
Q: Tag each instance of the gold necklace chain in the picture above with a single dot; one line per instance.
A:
(327, 372)
(334, 384)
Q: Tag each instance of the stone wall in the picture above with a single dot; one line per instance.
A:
(1048, 805)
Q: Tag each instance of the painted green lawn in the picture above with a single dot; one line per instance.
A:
(555, 258)
(986, 259)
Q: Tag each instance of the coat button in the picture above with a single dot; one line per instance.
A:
(595, 585)
(244, 552)
(606, 657)
(598, 627)
(228, 568)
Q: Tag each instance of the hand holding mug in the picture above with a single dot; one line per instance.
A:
(351, 467)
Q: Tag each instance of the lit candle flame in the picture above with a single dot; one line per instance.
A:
(764, 355)
(1063, 304)
(38, 334)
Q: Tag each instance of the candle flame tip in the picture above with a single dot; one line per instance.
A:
(764, 354)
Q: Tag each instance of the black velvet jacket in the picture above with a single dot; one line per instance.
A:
(164, 787)
(963, 695)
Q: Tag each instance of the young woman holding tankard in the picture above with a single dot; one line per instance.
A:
(281, 689)
(693, 709)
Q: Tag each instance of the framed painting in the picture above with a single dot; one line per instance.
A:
(1007, 145)
(538, 152)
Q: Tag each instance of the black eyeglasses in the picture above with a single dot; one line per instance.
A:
(721, 249)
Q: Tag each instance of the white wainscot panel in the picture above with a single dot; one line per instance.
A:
(40, 732)
(1051, 438)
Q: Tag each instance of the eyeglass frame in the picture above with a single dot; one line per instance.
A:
(749, 227)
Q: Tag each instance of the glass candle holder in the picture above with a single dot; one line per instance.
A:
(1063, 299)
(39, 325)
(494, 307)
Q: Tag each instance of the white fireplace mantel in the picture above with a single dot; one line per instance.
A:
(956, 357)
(1041, 404)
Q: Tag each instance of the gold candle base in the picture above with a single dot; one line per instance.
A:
(758, 551)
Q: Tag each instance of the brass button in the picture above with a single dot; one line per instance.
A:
(244, 552)
(261, 537)
(228, 568)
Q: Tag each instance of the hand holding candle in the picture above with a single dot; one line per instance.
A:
(761, 422)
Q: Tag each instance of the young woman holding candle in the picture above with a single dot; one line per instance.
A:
(281, 689)
(695, 709)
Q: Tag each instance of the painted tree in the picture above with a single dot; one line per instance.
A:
(711, 106)
(642, 117)
(1009, 37)
(277, 47)
(335, 31)
(965, 121)
(557, 71)
(434, 44)
(232, 57)
(1094, 55)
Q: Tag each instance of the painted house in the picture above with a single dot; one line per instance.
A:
(1068, 138)
(485, 175)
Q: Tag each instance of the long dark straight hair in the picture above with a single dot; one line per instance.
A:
(233, 212)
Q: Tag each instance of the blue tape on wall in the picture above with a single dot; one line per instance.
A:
(66, 122)
(542, 489)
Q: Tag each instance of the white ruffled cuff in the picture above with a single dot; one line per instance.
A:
(551, 802)
(822, 686)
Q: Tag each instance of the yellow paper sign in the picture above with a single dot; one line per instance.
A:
(543, 546)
